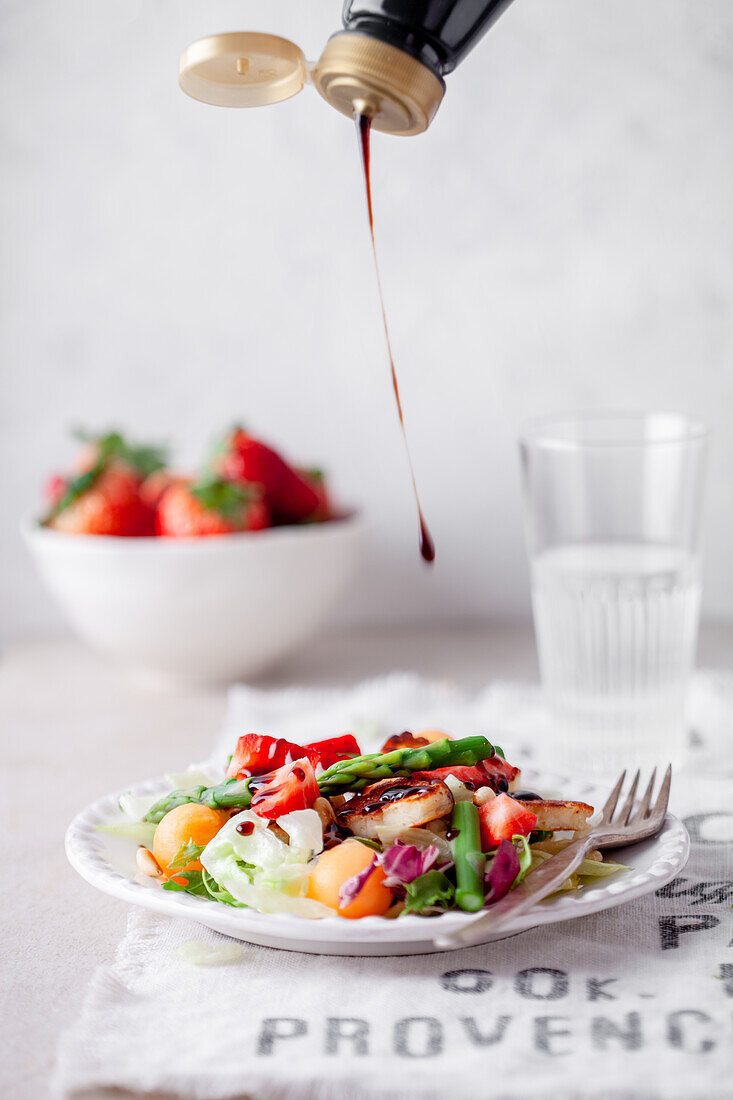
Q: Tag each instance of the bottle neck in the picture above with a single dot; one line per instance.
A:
(439, 34)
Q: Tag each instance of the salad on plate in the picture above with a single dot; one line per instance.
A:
(428, 824)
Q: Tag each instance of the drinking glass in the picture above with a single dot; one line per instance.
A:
(612, 513)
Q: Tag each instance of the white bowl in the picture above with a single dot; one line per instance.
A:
(202, 610)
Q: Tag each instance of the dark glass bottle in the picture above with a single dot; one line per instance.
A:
(437, 32)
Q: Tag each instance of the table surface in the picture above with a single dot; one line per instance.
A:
(74, 728)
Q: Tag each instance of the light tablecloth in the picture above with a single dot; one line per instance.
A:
(635, 1002)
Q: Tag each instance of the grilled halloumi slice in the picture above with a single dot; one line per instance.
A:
(403, 803)
(554, 815)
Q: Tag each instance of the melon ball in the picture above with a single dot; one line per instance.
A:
(191, 822)
(334, 866)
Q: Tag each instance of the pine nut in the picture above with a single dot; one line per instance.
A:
(147, 864)
(483, 795)
(324, 809)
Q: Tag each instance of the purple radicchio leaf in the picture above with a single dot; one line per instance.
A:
(502, 872)
(403, 863)
(352, 887)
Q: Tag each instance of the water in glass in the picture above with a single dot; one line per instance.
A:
(616, 626)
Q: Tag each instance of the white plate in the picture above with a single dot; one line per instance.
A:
(108, 863)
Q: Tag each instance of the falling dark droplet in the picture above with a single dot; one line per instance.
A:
(363, 129)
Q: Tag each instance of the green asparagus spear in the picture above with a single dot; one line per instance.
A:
(470, 860)
(356, 773)
(160, 808)
(347, 775)
(231, 794)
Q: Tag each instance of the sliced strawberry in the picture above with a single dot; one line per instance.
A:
(257, 754)
(328, 752)
(292, 787)
(503, 818)
(246, 460)
(498, 773)
(473, 777)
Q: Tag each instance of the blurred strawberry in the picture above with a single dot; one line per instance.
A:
(152, 489)
(317, 481)
(143, 459)
(103, 501)
(103, 498)
(212, 506)
(245, 460)
(54, 488)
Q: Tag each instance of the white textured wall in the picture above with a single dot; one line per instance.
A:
(560, 238)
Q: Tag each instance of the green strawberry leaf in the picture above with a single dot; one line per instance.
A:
(144, 458)
(225, 497)
(224, 442)
(75, 489)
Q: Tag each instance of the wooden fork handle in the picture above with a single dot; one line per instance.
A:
(537, 885)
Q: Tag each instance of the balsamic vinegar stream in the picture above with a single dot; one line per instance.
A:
(363, 128)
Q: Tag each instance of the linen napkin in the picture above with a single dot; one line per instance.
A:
(634, 1002)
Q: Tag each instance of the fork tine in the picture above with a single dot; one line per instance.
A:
(625, 812)
(645, 803)
(660, 806)
(607, 812)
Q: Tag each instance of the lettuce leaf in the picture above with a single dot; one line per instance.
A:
(194, 776)
(260, 870)
(140, 831)
(135, 806)
(521, 843)
(433, 889)
(201, 885)
(194, 884)
(593, 868)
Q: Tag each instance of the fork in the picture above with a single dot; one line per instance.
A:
(632, 824)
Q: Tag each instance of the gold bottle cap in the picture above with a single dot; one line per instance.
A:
(242, 69)
(358, 74)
